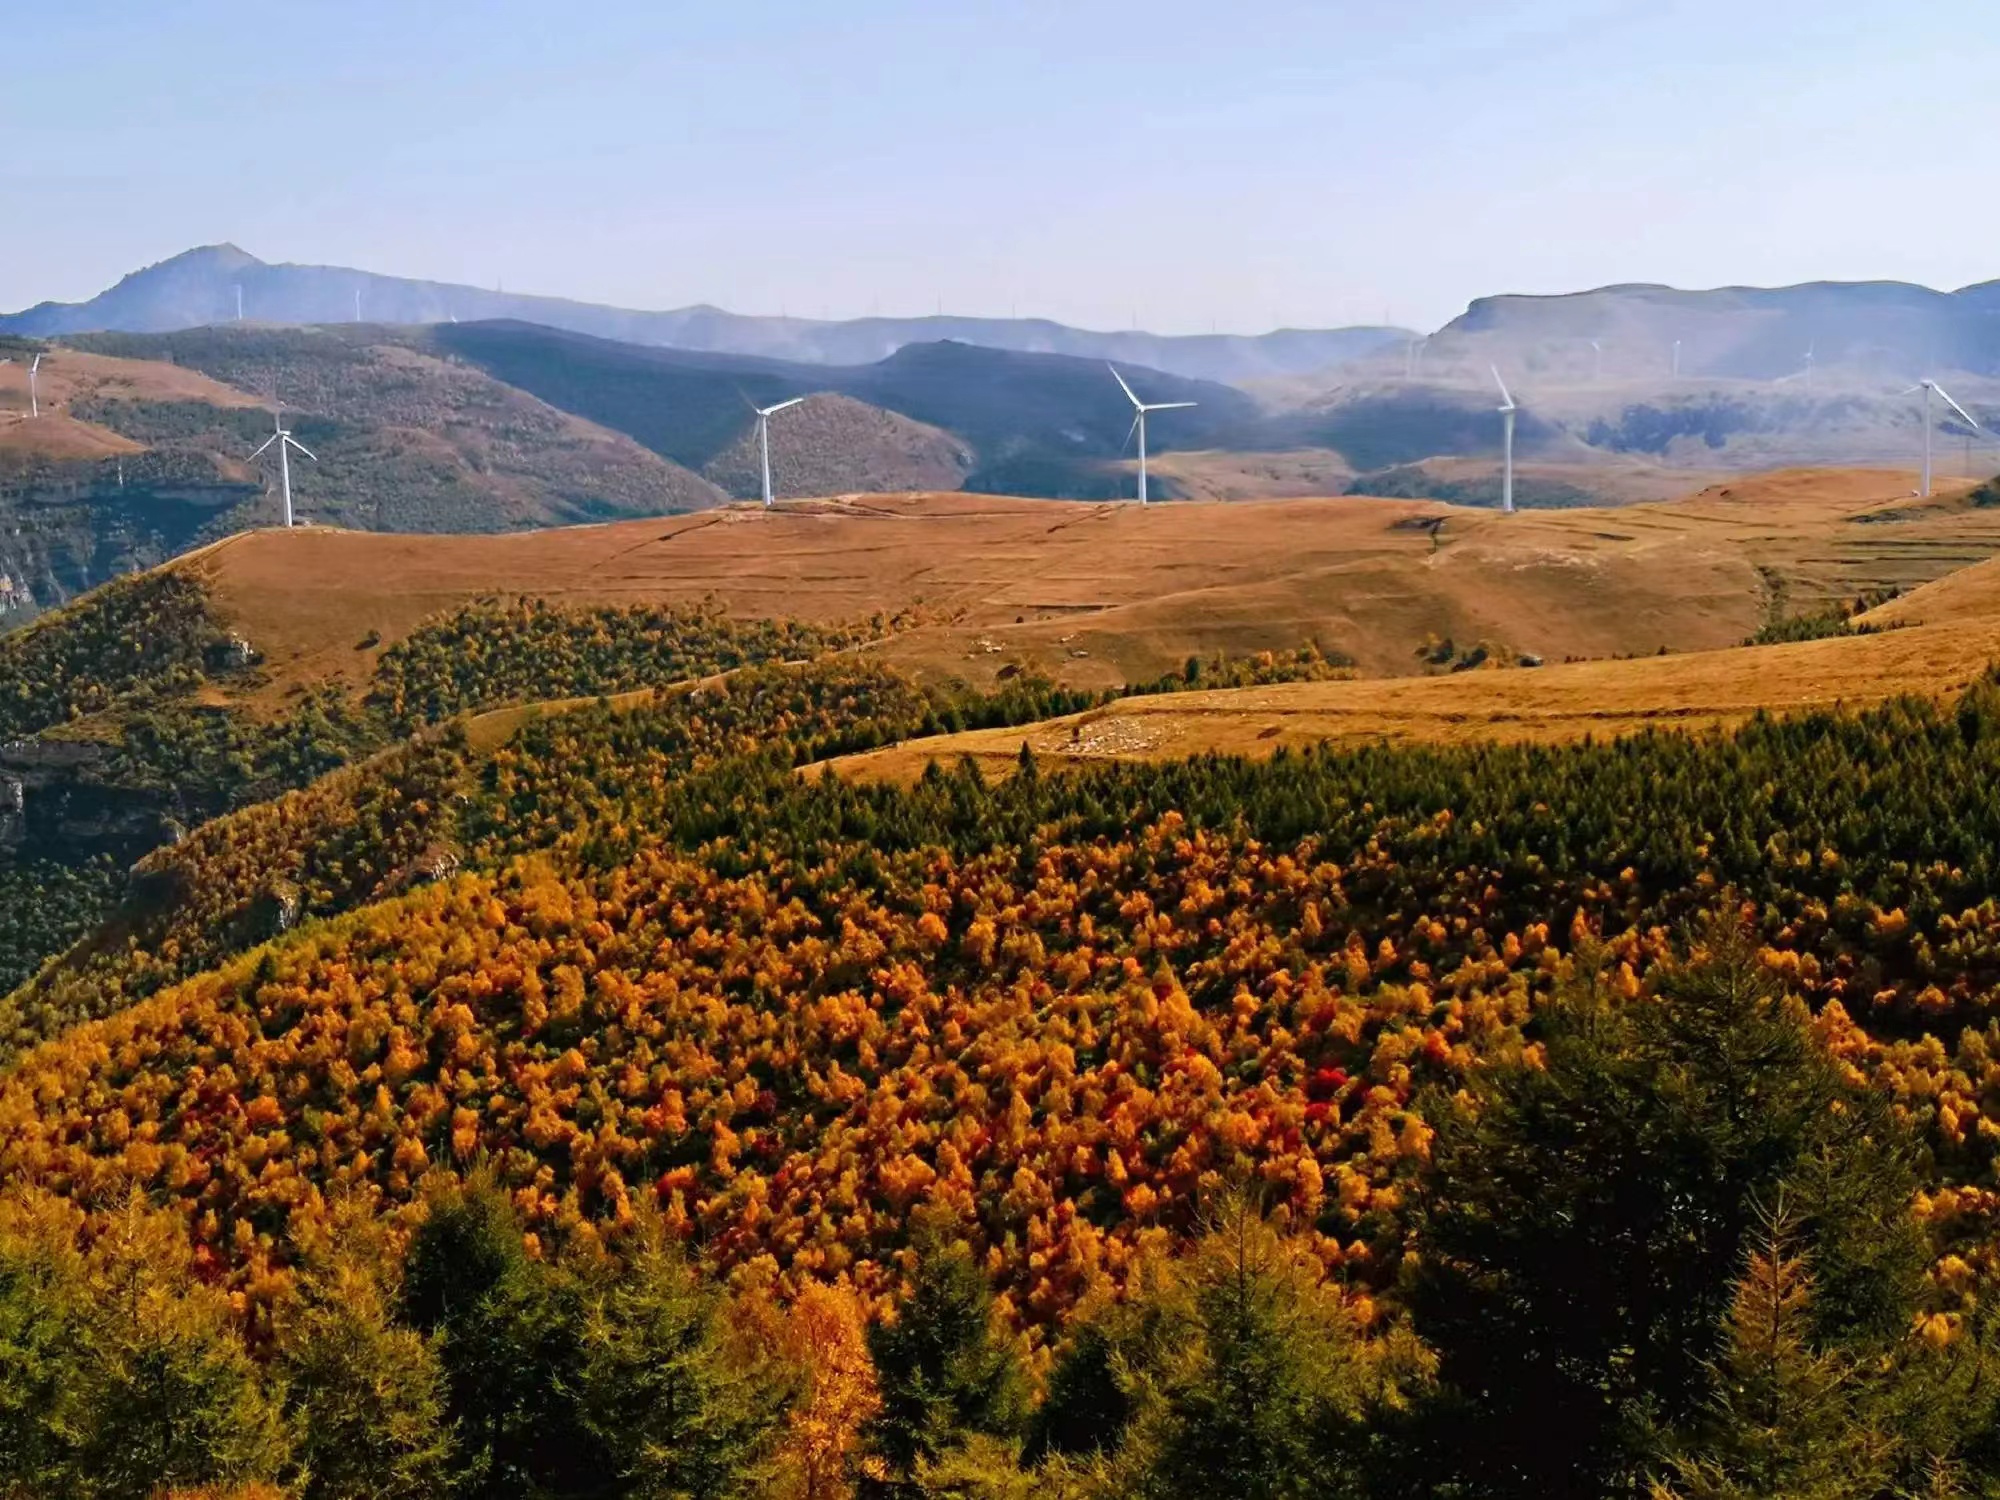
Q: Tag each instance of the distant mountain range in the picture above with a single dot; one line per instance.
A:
(1629, 331)
(1887, 328)
(202, 286)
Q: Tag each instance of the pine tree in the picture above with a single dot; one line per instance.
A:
(946, 1373)
(167, 1396)
(509, 1332)
(682, 1415)
(983, 1467)
(1252, 1389)
(40, 1349)
(825, 1337)
(1786, 1420)
(366, 1397)
(1584, 1223)
(1089, 1405)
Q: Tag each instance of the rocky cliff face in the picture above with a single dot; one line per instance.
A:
(65, 528)
(55, 804)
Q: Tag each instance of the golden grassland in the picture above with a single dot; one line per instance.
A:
(1096, 595)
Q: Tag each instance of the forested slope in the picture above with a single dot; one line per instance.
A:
(121, 729)
(796, 1018)
(600, 1046)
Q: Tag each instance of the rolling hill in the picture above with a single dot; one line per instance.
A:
(143, 448)
(406, 440)
(989, 419)
(200, 287)
(1598, 374)
(1039, 424)
(1104, 594)
(830, 445)
(1738, 378)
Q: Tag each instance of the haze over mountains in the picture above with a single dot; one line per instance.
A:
(200, 287)
(1744, 333)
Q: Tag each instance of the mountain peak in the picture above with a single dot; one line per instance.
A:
(222, 257)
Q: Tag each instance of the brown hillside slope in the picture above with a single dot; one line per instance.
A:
(56, 437)
(831, 444)
(1601, 698)
(70, 375)
(1103, 594)
(1934, 640)
(407, 441)
(67, 377)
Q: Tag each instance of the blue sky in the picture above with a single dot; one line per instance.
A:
(1184, 164)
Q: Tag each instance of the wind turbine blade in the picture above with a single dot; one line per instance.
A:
(302, 447)
(1126, 446)
(1504, 393)
(1911, 390)
(1124, 387)
(769, 410)
(36, 365)
(1956, 407)
(1170, 405)
(266, 443)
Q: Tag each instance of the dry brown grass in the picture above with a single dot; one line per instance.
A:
(1545, 705)
(59, 438)
(69, 375)
(1098, 595)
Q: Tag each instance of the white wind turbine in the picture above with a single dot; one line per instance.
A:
(1507, 410)
(285, 443)
(1804, 372)
(34, 400)
(1140, 408)
(1932, 388)
(764, 415)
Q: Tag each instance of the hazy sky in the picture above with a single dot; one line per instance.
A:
(1186, 163)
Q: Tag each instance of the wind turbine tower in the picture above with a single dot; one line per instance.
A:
(1804, 372)
(764, 415)
(1507, 410)
(239, 302)
(1139, 410)
(34, 401)
(1931, 388)
(285, 443)
(1596, 362)
(1677, 359)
